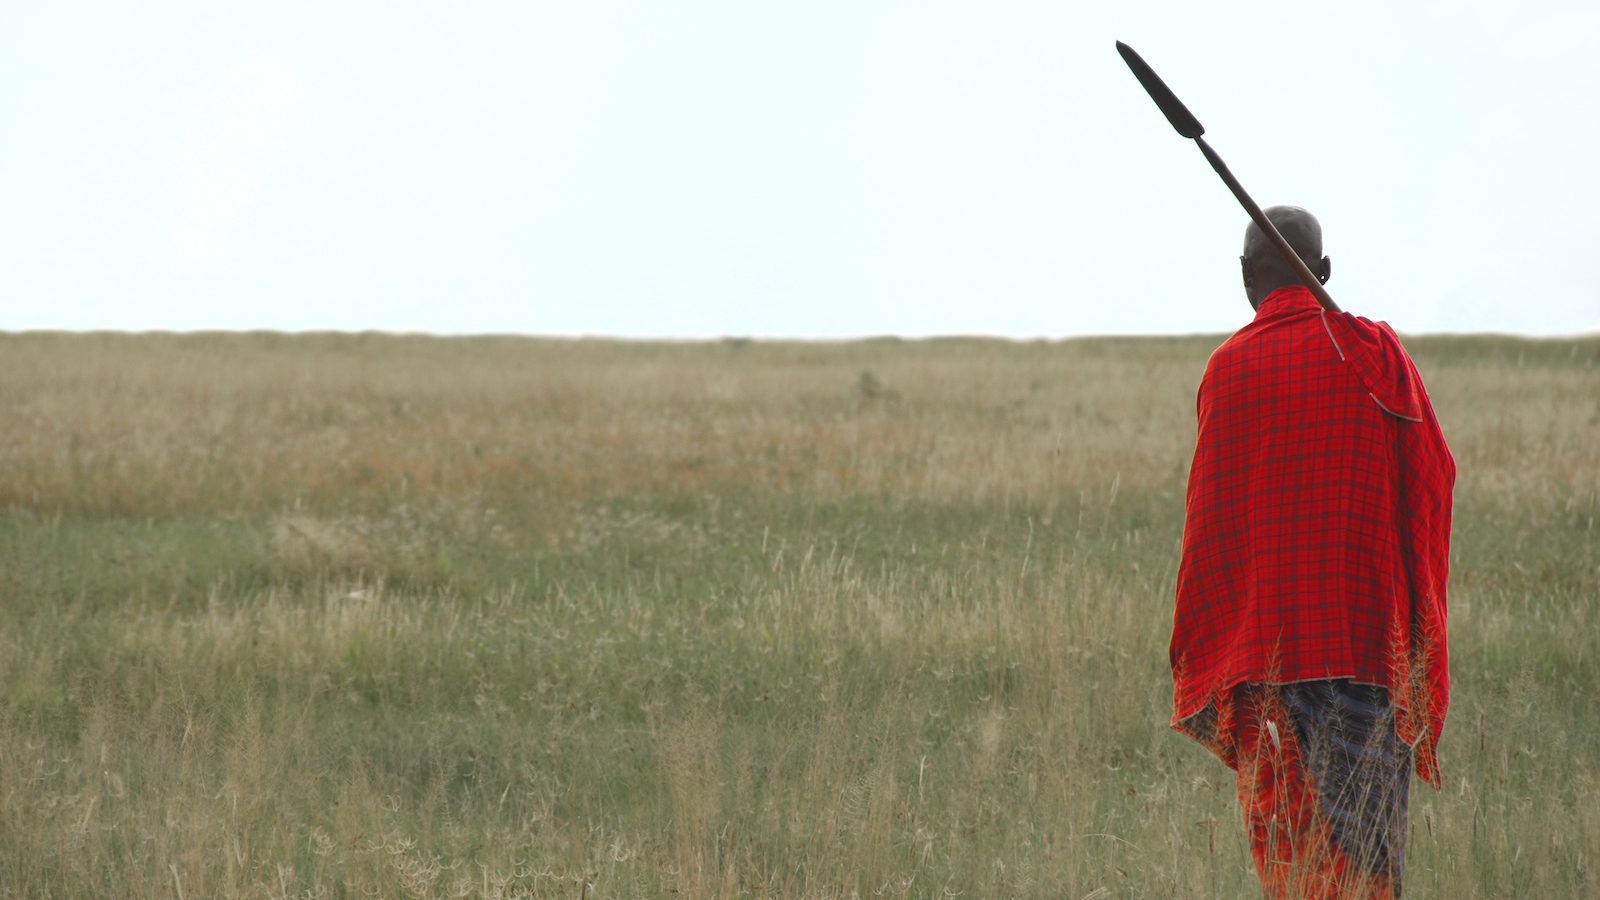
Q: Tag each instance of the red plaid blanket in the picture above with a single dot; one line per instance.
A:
(1317, 530)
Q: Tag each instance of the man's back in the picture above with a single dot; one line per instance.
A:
(1296, 565)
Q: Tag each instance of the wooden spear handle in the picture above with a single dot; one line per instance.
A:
(1267, 228)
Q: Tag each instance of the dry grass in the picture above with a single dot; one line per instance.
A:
(368, 615)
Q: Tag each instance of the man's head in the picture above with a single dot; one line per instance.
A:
(1264, 268)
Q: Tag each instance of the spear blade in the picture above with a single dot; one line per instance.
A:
(1176, 113)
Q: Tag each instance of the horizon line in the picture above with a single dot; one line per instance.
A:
(1591, 333)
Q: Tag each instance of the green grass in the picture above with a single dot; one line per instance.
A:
(363, 615)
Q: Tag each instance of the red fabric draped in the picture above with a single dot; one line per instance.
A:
(1317, 530)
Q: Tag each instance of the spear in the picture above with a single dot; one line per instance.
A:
(1190, 127)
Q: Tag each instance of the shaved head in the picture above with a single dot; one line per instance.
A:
(1265, 269)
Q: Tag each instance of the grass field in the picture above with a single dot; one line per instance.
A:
(348, 616)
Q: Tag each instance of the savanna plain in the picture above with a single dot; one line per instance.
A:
(366, 615)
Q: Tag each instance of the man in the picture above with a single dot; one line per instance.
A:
(1308, 644)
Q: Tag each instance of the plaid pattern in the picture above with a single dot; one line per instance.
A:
(1317, 527)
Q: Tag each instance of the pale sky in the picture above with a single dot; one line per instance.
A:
(685, 168)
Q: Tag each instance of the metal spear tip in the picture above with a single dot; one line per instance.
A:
(1176, 113)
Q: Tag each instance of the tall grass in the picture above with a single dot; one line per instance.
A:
(366, 615)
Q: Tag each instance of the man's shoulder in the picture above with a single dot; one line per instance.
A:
(1258, 342)
(1375, 354)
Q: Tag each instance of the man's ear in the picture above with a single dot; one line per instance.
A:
(1324, 270)
(1247, 273)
